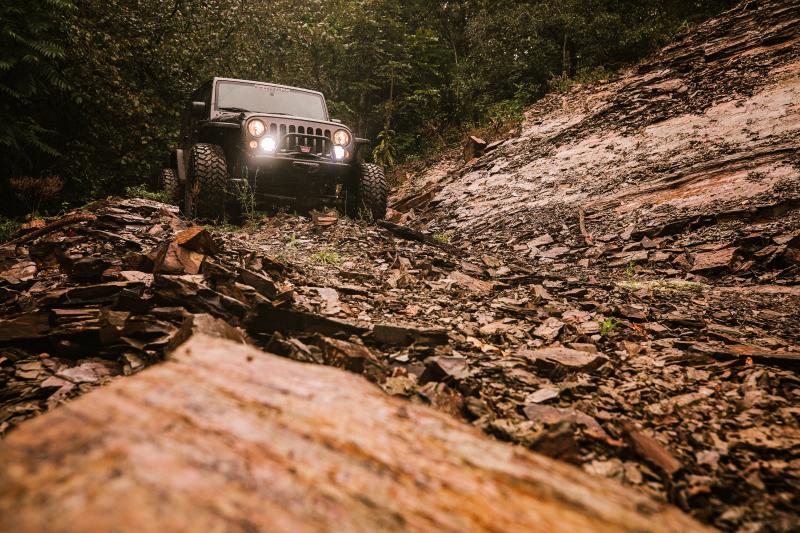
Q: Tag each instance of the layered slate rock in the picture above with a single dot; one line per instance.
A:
(224, 437)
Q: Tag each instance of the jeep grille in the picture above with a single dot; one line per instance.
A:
(318, 146)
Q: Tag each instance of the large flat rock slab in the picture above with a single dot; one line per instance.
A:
(223, 437)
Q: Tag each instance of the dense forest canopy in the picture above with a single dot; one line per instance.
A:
(93, 89)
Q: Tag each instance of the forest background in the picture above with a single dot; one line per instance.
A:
(92, 90)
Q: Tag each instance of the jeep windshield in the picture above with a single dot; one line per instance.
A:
(262, 98)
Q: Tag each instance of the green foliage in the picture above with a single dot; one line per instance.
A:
(35, 193)
(141, 191)
(384, 152)
(630, 270)
(103, 82)
(8, 228)
(326, 257)
(444, 238)
(607, 326)
(247, 199)
(30, 49)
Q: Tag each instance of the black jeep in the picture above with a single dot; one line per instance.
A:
(252, 143)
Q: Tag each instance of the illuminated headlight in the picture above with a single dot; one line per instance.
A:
(341, 138)
(256, 128)
(338, 152)
(268, 144)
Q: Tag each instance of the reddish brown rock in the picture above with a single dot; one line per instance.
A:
(470, 283)
(650, 449)
(19, 273)
(403, 334)
(559, 356)
(196, 239)
(474, 147)
(26, 326)
(232, 436)
(205, 324)
(714, 260)
(175, 259)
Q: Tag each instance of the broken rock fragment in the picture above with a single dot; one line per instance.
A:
(650, 449)
(553, 415)
(205, 324)
(405, 334)
(353, 357)
(714, 260)
(552, 357)
(268, 319)
(474, 147)
(196, 239)
(472, 284)
(444, 368)
(19, 273)
(31, 325)
(549, 329)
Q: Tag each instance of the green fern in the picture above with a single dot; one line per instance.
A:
(29, 72)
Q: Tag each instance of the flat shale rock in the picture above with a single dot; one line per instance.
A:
(19, 273)
(27, 326)
(403, 334)
(224, 437)
(715, 260)
(559, 356)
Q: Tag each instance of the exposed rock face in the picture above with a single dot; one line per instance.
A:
(224, 437)
(706, 131)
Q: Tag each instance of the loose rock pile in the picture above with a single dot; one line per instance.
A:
(632, 379)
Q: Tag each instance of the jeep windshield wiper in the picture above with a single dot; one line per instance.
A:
(235, 109)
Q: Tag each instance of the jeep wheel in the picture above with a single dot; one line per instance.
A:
(367, 199)
(206, 180)
(169, 183)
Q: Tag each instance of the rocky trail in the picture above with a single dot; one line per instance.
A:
(614, 285)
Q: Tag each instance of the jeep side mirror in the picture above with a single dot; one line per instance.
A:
(198, 109)
(336, 120)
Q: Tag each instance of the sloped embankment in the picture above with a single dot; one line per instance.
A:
(704, 133)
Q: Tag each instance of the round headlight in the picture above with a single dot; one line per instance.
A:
(341, 138)
(256, 128)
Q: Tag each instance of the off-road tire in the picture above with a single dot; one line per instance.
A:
(206, 181)
(368, 197)
(169, 183)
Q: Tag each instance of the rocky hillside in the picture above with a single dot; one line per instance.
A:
(704, 133)
(615, 286)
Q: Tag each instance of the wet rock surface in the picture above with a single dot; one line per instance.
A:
(616, 286)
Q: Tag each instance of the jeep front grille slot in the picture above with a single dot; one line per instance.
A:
(291, 136)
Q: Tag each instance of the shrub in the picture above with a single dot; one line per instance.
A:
(141, 191)
(36, 192)
(8, 228)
